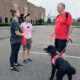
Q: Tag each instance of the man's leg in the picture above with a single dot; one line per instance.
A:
(62, 47)
(56, 44)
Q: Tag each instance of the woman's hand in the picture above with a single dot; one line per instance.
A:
(19, 34)
(23, 34)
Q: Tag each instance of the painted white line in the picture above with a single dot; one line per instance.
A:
(75, 44)
(41, 42)
(76, 57)
(53, 42)
(36, 53)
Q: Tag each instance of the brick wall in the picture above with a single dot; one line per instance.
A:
(23, 6)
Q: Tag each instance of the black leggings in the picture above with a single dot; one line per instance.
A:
(14, 53)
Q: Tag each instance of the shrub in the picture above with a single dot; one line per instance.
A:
(3, 24)
(40, 21)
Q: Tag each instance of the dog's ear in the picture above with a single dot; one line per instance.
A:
(51, 46)
(51, 49)
(48, 48)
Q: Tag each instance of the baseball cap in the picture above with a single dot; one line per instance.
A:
(26, 16)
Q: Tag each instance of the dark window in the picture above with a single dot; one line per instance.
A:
(31, 21)
(10, 19)
(36, 22)
(6, 20)
(0, 19)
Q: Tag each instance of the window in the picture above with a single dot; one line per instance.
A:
(31, 21)
(36, 22)
(6, 20)
(10, 19)
(0, 19)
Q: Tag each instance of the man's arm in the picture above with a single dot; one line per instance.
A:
(70, 32)
(51, 35)
(69, 22)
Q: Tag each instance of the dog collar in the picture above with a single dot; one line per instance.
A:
(53, 61)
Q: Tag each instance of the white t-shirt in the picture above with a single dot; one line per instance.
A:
(27, 28)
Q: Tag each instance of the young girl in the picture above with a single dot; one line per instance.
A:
(27, 27)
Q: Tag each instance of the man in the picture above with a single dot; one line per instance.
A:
(63, 28)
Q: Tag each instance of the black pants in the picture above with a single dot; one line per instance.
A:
(14, 53)
(60, 44)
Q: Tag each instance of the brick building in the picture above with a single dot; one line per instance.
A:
(36, 12)
(23, 6)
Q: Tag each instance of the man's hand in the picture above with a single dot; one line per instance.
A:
(51, 35)
(69, 39)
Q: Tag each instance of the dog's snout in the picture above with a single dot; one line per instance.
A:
(45, 49)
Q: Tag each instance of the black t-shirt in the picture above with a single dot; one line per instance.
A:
(15, 27)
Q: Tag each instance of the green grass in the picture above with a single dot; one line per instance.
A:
(76, 25)
(45, 23)
(3, 25)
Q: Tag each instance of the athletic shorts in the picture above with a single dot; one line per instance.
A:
(28, 44)
(60, 44)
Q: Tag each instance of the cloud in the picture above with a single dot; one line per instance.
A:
(72, 6)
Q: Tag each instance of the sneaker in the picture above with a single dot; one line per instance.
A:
(24, 61)
(18, 65)
(29, 59)
(14, 69)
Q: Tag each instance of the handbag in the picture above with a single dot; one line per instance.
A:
(23, 40)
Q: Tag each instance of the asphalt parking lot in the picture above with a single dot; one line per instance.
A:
(40, 68)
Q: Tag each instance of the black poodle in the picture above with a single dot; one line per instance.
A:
(62, 66)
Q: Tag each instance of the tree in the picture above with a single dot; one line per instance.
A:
(40, 21)
(48, 20)
(78, 19)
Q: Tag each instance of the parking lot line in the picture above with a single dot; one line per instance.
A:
(48, 43)
(76, 57)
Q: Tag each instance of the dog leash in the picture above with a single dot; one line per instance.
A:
(59, 55)
(65, 47)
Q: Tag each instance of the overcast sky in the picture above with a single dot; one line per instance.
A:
(72, 6)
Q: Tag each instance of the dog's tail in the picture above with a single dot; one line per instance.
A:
(72, 70)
